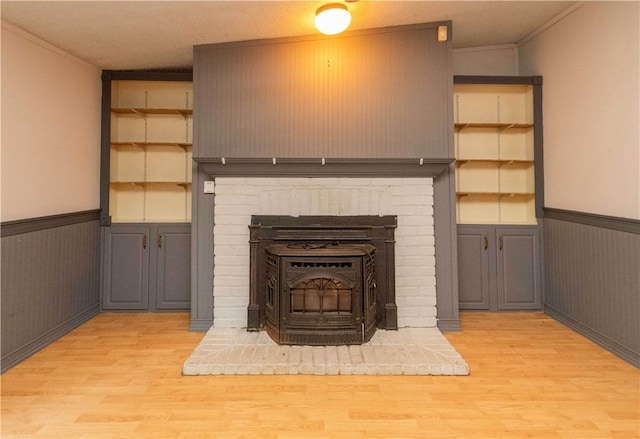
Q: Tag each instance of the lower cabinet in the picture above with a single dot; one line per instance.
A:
(147, 267)
(499, 267)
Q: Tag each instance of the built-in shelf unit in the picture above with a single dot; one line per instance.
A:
(145, 190)
(151, 148)
(499, 191)
(494, 148)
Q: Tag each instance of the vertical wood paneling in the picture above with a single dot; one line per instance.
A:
(592, 279)
(366, 95)
(50, 278)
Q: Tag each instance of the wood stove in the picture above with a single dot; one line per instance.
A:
(320, 294)
(322, 280)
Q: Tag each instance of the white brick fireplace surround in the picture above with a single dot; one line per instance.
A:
(410, 199)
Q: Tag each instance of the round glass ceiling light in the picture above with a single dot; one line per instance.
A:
(333, 18)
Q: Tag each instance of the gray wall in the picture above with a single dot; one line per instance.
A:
(501, 60)
(380, 93)
(592, 278)
(50, 280)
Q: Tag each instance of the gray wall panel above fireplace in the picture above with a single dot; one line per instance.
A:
(380, 93)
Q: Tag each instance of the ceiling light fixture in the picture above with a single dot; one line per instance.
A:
(333, 18)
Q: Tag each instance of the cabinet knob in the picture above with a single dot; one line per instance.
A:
(160, 240)
(501, 243)
(144, 241)
(486, 242)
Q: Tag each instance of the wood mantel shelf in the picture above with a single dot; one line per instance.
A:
(319, 167)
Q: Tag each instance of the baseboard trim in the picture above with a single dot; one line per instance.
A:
(449, 325)
(200, 325)
(603, 341)
(17, 356)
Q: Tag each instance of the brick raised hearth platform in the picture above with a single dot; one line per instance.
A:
(407, 351)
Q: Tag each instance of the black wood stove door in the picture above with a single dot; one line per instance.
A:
(321, 306)
(320, 299)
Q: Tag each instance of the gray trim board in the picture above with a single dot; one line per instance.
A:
(148, 75)
(25, 351)
(446, 250)
(201, 325)
(449, 324)
(17, 227)
(507, 80)
(201, 253)
(315, 168)
(444, 219)
(600, 339)
(590, 219)
(538, 145)
(105, 148)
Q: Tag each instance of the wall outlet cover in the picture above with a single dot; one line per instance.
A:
(209, 187)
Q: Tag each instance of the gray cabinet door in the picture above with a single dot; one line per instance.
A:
(173, 277)
(473, 268)
(126, 268)
(517, 268)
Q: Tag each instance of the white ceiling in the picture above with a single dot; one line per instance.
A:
(161, 34)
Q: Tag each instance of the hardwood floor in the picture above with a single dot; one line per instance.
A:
(119, 376)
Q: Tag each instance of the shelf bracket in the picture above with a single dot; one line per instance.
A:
(507, 127)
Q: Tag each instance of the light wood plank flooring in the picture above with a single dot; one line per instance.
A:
(119, 376)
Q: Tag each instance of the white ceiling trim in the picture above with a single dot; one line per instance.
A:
(571, 9)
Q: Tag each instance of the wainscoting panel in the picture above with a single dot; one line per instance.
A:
(50, 281)
(592, 279)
